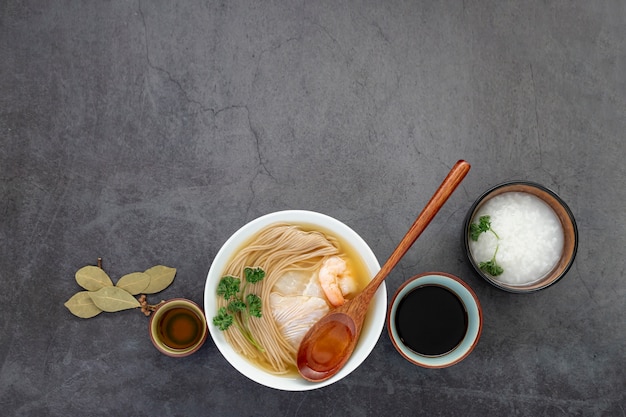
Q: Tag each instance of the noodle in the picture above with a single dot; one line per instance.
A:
(276, 249)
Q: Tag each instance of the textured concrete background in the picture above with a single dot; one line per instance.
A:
(147, 132)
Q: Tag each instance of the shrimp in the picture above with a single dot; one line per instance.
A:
(336, 280)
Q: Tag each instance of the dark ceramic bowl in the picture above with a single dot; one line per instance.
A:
(564, 216)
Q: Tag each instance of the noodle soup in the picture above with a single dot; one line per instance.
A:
(308, 271)
(291, 285)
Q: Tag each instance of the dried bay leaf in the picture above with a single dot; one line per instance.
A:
(113, 299)
(161, 277)
(134, 283)
(93, 278)
(81, 305)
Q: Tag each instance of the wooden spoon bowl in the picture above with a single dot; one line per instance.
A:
(329, 343)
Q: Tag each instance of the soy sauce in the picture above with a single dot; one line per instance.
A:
(180, 328)
(431, 320)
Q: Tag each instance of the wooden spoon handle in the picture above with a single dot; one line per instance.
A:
(447, 187)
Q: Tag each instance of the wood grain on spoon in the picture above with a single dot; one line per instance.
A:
(328, 345)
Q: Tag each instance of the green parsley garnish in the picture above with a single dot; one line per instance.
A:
(483, 225)
(238, 310)
(253, 275)
(254, 305)
(236, 306)
(223, 320)
(228, 287)
(491, 266)
(476, 229)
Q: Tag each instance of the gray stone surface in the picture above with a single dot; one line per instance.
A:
(147, 132)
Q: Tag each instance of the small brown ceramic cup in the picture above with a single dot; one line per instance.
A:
(178, 327)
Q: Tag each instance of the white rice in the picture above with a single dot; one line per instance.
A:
(531, 237)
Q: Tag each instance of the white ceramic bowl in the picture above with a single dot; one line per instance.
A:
(373, 324)
(474, 319)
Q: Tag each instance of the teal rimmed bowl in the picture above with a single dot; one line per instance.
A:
(472, 308)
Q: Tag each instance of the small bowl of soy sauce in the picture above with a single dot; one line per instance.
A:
(434, 320)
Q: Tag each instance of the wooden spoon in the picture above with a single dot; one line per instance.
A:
(328, 345)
